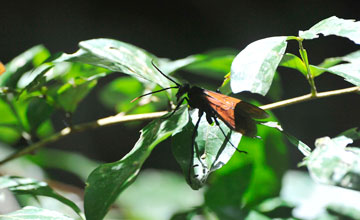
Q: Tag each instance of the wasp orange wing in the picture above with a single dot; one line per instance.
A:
(235, 113)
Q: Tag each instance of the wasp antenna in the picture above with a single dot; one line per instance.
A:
(173, 87)
(167, 77)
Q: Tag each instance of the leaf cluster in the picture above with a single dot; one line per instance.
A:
(37, 84)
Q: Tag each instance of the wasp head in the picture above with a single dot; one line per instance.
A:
(183, 89)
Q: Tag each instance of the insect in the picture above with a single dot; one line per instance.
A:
(236, 114)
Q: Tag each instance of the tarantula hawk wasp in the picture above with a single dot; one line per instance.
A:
(236, 114)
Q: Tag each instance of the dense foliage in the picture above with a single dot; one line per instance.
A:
(258, 185)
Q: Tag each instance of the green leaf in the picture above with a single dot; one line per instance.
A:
(254, 67)
(38, 111)
(119, 93)
(107, 181)
(247, 179)
(215, 63)
(117, 56)
(22, 64)
(225, 194)
(70, 94)
(292, 61)
(326, 66)
(334, 26)
(331, 162)
(30, 212)
(313, 200)
(165, 191)
(34, 78)
(9, 126)
(19, 185)
(349, 71)
(213, 147)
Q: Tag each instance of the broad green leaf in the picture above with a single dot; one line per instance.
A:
(165, 191)
(349, 71)
(328, 63)
(34, 78)
(214, 149)
(254, 67)
(247, 179)
(313, 200)
(107, 181)
(331, 162)
(30, 212)
(334, 26)
(225, 194)
(119, 93)
(292, 61)
(215, 63)
(19, 185)
(13, 118)
(353, 57)
(22, 64)
(70, 94)
(117, 56)
(38, 111)
(10, 130)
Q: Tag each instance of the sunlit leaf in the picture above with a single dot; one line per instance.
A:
(70, 94)
(313, 200)
(254, 67)
(349, 71)
(331, 162)
(292, 61)
(23, 63)
(19, 185)
(107, 181)
(167, 192)
(30, 212)
(117, 56)
(119, 93)
(215, 63)
(334, 26)
(214, 149)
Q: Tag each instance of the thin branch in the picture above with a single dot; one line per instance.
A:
(308, 97)
(120, 118)
(82, 127)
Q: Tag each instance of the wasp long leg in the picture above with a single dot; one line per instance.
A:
(176, 108)
(226, 137)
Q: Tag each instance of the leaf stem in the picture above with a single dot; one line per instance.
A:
(305, 59)
(120, 118)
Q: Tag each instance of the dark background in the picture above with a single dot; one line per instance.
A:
(176, 29)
